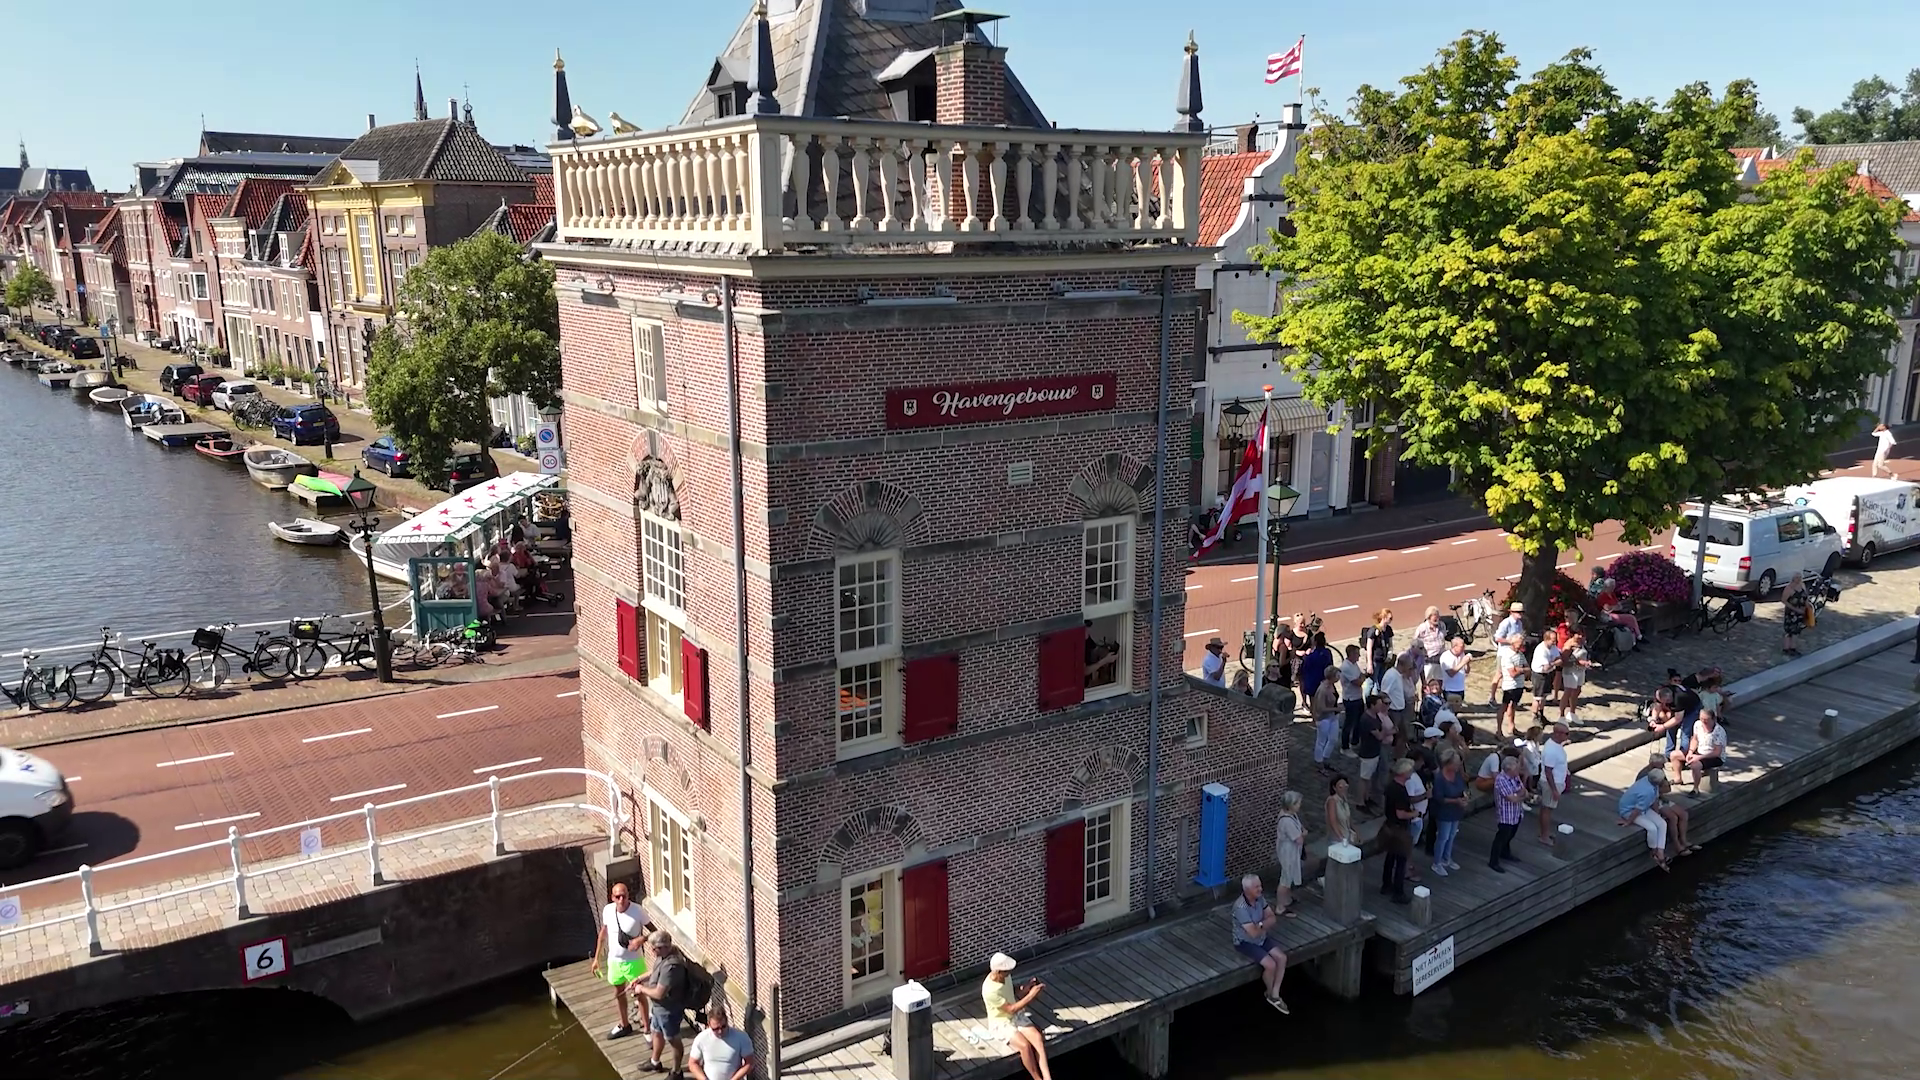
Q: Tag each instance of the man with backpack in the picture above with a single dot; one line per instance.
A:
(675, 985)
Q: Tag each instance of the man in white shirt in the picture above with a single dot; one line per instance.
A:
(1454, 666)
(721, 1052)
(1706, 750)
(1352, 701)
(622, 936)
(1213, 666)
(1883, 440)
(1546, 671)
(1398, 687)
(1554, 777)
(1513, 686)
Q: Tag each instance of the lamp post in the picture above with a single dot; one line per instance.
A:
(1280, 500)
(360, 494)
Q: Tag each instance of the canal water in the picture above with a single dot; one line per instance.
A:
(1786, 950)
(102, 526)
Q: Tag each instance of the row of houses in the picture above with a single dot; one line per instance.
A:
(262, 248)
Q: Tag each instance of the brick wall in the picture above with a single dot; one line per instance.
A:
(970, 89)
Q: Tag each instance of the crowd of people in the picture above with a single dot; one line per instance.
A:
(645, 966)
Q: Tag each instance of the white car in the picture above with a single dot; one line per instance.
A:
(228, 392)
(1755, 547)
(35, 807)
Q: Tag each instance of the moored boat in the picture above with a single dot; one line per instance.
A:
(306, 531)
(275, 468)
(177, 435)
(90, 379)
(109, 397)
(140, 410)
(220, 449)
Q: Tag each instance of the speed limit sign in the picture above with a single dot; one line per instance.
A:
(265, 958)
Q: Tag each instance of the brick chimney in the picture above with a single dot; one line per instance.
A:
(970, 89)
(1246, 138)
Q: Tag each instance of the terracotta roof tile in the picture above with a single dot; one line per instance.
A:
(526, 220)
(1222, 185)
(1744, 152)
(254, 201)
(543, 188)
(210, 206)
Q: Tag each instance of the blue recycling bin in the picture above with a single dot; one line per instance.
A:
(1213, 836)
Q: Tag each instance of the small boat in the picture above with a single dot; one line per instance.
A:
(109, 397)
(275, 468)
(143, 409)
(220, 449)
(57, 376)
(306, 531)
(17, 357)
(90, 379)
(178, 435)
(57, 367)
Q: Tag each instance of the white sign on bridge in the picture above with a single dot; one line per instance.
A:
(265, 958)
(1433, 965)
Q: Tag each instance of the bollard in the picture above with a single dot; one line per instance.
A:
(493, 792)
(1422, 910)
(1708, 784)
(1343, 883)
(1827, 721)
(912, 1033)
(239, 872)
(93, 913)
(373, 848)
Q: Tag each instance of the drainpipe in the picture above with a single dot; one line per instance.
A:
(740, 639)
(1159, 559)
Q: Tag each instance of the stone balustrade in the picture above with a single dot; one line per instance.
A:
(773, 183)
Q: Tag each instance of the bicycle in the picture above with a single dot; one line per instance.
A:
(315, 651)
(257, 411)
(1470, 618)
(456, 642)
(160, 672)
(270, 658)
(46, 689)
(1732, 611)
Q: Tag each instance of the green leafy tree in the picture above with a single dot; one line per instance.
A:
(1874, 111)
(1569, 299)
(475, 320)
(1762, 130)
(29, 287)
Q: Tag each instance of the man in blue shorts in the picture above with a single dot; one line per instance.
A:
(1253, 922)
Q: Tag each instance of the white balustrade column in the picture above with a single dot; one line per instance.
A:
(1141, 171)
(1049, 185)
(939, 179)
(1097, 175)
(997, 177)
(1168, 170)
(1075, 157)
(890, 151)
(802, 164)
(831, 221)
(970, 185)
(862, 173)
(1023, 188)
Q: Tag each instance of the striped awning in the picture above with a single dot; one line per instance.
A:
(1291, 416)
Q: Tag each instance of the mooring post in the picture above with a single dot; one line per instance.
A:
(1145, 1045)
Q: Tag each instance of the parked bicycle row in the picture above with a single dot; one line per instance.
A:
(307, 650)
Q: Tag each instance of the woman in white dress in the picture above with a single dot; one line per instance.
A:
(1290, 840)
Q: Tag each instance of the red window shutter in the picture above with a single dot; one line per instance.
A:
(1063, 668)
(693, 682)
(1066, 877)
(923, 910)
(932, 691)
(626, 636)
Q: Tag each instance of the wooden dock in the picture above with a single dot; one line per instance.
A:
(182, 434)
(1779, 748)
(1111, 987)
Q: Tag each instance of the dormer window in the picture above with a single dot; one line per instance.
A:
(728, 84)
(910, 86)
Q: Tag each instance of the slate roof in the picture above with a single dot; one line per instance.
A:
(1223, 180)
(825, 57)
(1895, 164)
(444, 150)
(224, 172)
(241, 142)
(32, 179)
(523, 223)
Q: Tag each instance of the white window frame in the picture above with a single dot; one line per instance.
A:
(661, 544)
(669, 859)
(1117, 605)
(1195, 735)
(854, 661)
(649, 363)
(1117, 821)
(407, 227)
(880, 983)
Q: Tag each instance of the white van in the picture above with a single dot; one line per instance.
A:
(1754, 547)
(1875, 516)
(35, 807)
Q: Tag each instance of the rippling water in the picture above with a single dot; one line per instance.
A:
(101, 526)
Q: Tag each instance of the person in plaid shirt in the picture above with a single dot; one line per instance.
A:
(1509, 797)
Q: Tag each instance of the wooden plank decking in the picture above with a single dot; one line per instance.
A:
(1776, 753)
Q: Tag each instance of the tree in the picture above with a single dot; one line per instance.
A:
(29, 287)
(475, 320)
(1762, 131)
(1569, 299)
(1875, 111)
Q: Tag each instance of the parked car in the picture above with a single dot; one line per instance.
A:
(300, 424)
(83, 348)
(1881, 515)
(35, 807)
(53, 335)
(384, 454)
(173, 375)
(199, 388)
(470, 466)
(227, 391)
(1755, 547)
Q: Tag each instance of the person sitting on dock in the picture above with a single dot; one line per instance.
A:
(1637, 808)
(1706, 750)
(1012, 1019)
(1677, 816)
(1253, 922)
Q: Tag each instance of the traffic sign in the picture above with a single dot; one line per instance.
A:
(550, 462)
(265, 959)
(9, 911)
(310, 840)
(547, 435)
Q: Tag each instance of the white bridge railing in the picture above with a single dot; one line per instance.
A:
(772, 182)
(91, 908)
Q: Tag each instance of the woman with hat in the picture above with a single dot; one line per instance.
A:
(1011, 1018)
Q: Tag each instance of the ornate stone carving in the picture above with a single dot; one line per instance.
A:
(871, 516)
(653, 489)
(1114, 486)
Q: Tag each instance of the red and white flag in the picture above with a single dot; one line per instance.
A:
(1249, 487)
(1284, 64)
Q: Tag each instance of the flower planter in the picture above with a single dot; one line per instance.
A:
(1656, 618)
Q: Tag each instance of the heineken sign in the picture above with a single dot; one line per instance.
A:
(991, 402)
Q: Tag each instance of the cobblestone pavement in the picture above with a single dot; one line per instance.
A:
(272, 886)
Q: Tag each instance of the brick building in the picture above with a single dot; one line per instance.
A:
(104, 255)
(51, 229)
(960, 350)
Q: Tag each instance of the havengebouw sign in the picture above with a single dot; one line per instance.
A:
(984, 403)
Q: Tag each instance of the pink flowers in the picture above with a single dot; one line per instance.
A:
(1644, 575)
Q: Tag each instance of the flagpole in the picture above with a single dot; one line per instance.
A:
(1300, 69)
(1261, 647)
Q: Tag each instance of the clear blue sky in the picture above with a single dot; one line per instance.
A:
(81, 96)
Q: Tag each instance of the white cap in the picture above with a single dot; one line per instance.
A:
(1001, 962)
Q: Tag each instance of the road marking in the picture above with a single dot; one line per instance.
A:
(1190, 588)
(1304, 569)
(1414, 551)
(1338, 610)
(1502, 534)
(1615, 555)
(336, 735)
(1564, 565)
(1364, 558)
(63, 850)
(1409, 596)
(214, 821)
(507, 765)
(1655, 547)
(1457, 588)
(576, 693)
(192, 760)
(466, 712)
(73, 779)
(1468, 540)
(369, 791)
(1249, 577)
(1208, 630)
(1511, 577)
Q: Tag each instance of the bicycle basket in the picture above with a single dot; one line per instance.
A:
(1746, 610)
(304, 629)
(208, 638)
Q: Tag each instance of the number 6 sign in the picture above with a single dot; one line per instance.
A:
(264, 959)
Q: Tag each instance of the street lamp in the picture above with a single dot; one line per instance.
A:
(1280, 500)
(360, 494)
